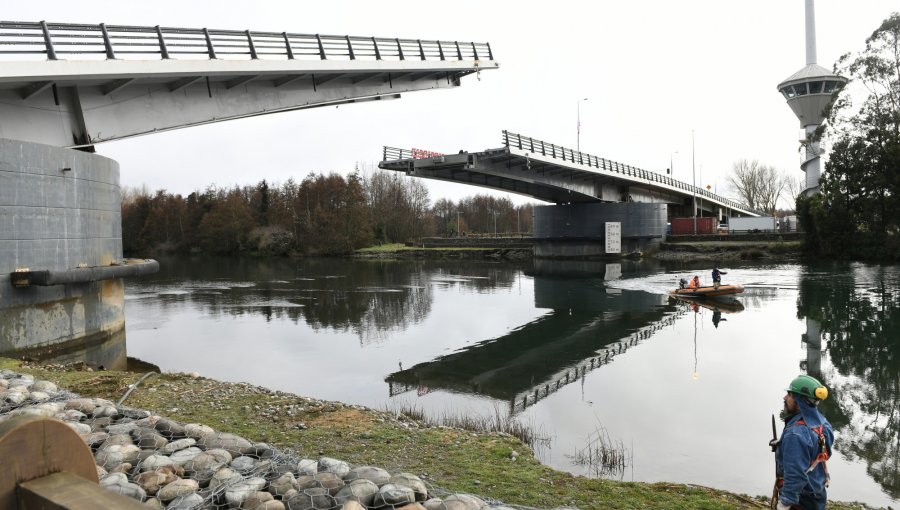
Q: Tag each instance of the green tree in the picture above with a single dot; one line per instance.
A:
(858, 213)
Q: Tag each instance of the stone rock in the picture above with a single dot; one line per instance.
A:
(100, 424)
(311, 499)
(84, 405)
(360, 490)
(83, 429)
(111, 456)
(328, 481)
(233, 444)
(124, 467)
(237, 493)
(148, 438)
(471, 502)
(186, 502)
(413, 482)
(417, 506)
(73, 414)
(256, 501)
(262, 451)
(154, 504)
(180, 487)
(281, 485)
(16, 397)
(45, 386)
(182, 457)
(38, 396)
(177, 445)
(114, 479)
(352, 505)
(223, 476)
(395, 495)
(197, 431)
(154, 462)
(107, 410)
(307, 467)
(117, 439)
(152, 481)
(133, 414)
(121, 428)
(32, 411)
(95, 439)
(243, 465)
(100, 472)
(131, 490)
(439, 504)
(204, 466)
(375, 475)
(329, 465)
(171, 428)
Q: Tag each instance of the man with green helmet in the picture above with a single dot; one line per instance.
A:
(805, 445)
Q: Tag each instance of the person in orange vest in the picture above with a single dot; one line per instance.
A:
(801, 475)
(695, 282)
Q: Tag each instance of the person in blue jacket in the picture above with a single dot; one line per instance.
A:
(717, 277)
(805, 446)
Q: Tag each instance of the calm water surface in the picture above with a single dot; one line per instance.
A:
(568, 348)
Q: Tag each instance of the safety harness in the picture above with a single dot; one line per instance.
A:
(821, 457)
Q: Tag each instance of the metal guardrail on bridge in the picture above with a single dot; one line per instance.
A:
(57, 40)
(558, 152)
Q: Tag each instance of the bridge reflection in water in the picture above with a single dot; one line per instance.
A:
(582, 332)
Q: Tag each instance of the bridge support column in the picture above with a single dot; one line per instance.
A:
(578, 230)
(60, 209)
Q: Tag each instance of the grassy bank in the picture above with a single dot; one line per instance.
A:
(729, 250)
(490, 464)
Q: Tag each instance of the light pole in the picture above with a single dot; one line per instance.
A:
(694, 172)
(672, 164)
(495, 213)
(458, 231)
(518, 228)
(578, 125)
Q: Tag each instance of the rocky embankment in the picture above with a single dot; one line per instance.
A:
(178, 466)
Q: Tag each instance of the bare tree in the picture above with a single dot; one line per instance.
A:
(758, 185)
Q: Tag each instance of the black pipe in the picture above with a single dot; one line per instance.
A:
(48, 277)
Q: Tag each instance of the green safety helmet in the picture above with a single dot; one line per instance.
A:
(809, 387)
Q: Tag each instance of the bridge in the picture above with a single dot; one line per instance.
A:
(66, 87)
(76, 85)
(589, 192)
(553, 173)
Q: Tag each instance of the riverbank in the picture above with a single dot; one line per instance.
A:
(402, 251)
(495, 466)
(686, 251)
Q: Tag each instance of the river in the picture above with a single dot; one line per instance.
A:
(571, 349)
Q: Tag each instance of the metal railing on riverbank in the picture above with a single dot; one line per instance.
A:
(58, 41)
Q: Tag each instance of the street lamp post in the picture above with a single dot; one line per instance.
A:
(458, 231)
(672, 164)
(694, 172)
(578, 125)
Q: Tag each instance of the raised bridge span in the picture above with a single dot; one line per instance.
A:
(66, 87)
(553, 173)
(602, 207)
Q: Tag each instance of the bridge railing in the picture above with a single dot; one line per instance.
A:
(396, 154)
(558, 152)
(60, 41)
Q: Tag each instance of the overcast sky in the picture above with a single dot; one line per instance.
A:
(653, 71)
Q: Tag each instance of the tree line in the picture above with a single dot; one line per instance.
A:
(322, 214)
(857, 213)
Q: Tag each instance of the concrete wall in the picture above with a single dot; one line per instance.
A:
(578, 230)
(51, 218)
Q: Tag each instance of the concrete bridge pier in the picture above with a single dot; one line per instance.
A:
(60, 220)
(579, 230)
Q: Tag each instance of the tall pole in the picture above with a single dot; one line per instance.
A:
(578, 125)
(672, 164)
(458, 232)
(694, 173)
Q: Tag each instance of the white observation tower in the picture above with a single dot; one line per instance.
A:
(810, 92)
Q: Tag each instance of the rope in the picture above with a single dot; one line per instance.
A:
(132, 387)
